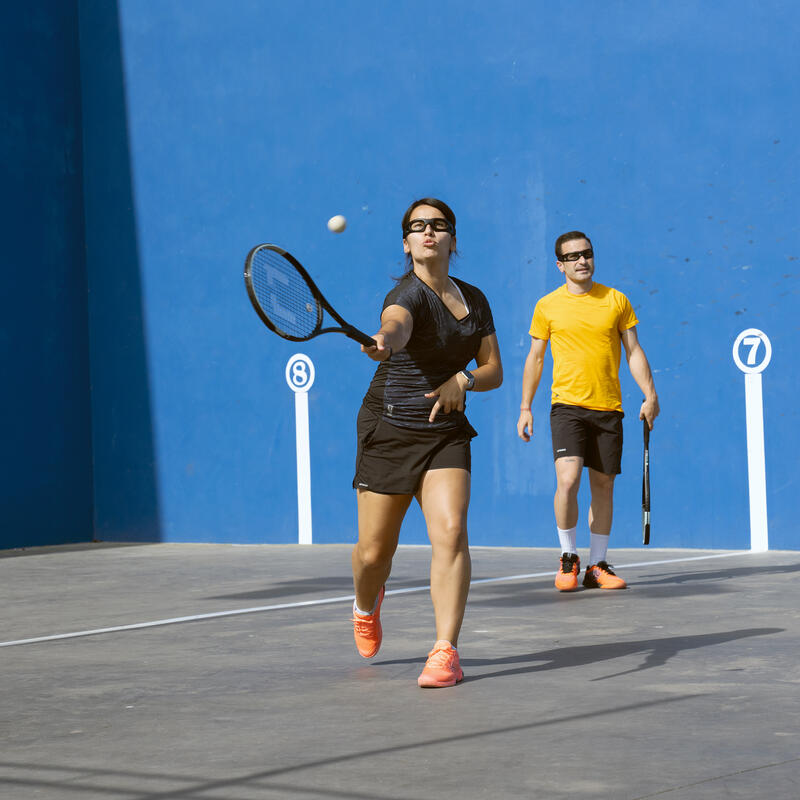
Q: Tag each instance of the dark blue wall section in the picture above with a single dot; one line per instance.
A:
(45, 452)
(665, 131)
(125, 483)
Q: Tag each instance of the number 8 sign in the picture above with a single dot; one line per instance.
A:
(300, 373)
(300, 377)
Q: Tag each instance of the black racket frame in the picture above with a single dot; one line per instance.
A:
(346, 328)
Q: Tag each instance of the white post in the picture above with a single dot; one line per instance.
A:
(300, 377)
(756, 462)
(753, 366)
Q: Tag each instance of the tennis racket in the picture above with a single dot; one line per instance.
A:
(287, 300)
(646, 487)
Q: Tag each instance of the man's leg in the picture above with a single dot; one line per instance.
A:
(568, 481)
(601, 513)
(565, 505)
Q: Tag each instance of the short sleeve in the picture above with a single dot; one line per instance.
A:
(483, 313)
(540, 326)
(406, 295)
(627, 316)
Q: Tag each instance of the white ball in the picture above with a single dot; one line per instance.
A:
(337, 224)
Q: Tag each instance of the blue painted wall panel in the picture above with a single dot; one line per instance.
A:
(661, 132)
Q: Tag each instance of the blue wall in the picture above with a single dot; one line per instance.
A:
(45, 450)
(663, 130)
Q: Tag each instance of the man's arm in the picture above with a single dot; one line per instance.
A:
(640, 369)
(531, 375)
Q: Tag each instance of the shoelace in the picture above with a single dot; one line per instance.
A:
(364, 625)
(606, 567)
(440, 658)
(567, 563)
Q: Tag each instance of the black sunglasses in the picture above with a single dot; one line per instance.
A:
(439, 224)
(587, 254)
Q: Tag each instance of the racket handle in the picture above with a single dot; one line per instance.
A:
(358, 336)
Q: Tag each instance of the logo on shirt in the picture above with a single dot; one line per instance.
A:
(390, 410)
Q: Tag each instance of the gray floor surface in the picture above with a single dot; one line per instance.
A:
(685, 686)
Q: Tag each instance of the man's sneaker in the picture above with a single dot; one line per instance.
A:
(567, 575)
(367, 629)
(442, 667)
(601, 576)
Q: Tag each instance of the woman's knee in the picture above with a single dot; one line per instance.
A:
(374, 554)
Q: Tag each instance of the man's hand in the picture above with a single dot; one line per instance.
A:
(650, 410)
(525, 424)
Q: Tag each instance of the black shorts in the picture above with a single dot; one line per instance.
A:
(392, 460)
(594, 436)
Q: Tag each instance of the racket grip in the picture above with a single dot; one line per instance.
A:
(361, 338)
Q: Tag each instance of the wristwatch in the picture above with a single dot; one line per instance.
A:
(470, 378)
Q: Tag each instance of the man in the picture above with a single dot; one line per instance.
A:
(585, 323)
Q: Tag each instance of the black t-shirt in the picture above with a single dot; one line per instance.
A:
(439, 347)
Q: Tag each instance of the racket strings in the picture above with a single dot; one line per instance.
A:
(284, 297)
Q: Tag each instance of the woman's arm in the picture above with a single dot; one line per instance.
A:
(393, 335)
(489, 375)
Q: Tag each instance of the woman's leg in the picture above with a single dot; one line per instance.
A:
(443, 496)
(379, 519)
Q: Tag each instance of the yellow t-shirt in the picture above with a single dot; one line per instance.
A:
(584, 332)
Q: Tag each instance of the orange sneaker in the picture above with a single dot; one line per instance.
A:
(367, 629)
(442, 667)
(601, 576)
(567, 575)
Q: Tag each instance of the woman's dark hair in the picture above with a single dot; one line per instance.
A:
(434, 203)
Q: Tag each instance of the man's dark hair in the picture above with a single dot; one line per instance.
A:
(568, 237)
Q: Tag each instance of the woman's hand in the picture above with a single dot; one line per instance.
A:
(380, 351)
(449, 396)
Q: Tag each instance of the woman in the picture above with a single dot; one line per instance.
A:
(414, 439)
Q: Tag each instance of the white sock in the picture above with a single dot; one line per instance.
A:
(567, 539)
(357, 610)
(598, 547)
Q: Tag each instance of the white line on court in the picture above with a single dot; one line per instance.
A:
(136, 626)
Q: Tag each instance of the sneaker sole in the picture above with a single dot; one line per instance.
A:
(430, 683)
(567, 588)
(606, 588)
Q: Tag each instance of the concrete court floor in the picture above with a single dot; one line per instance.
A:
(686, 686)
